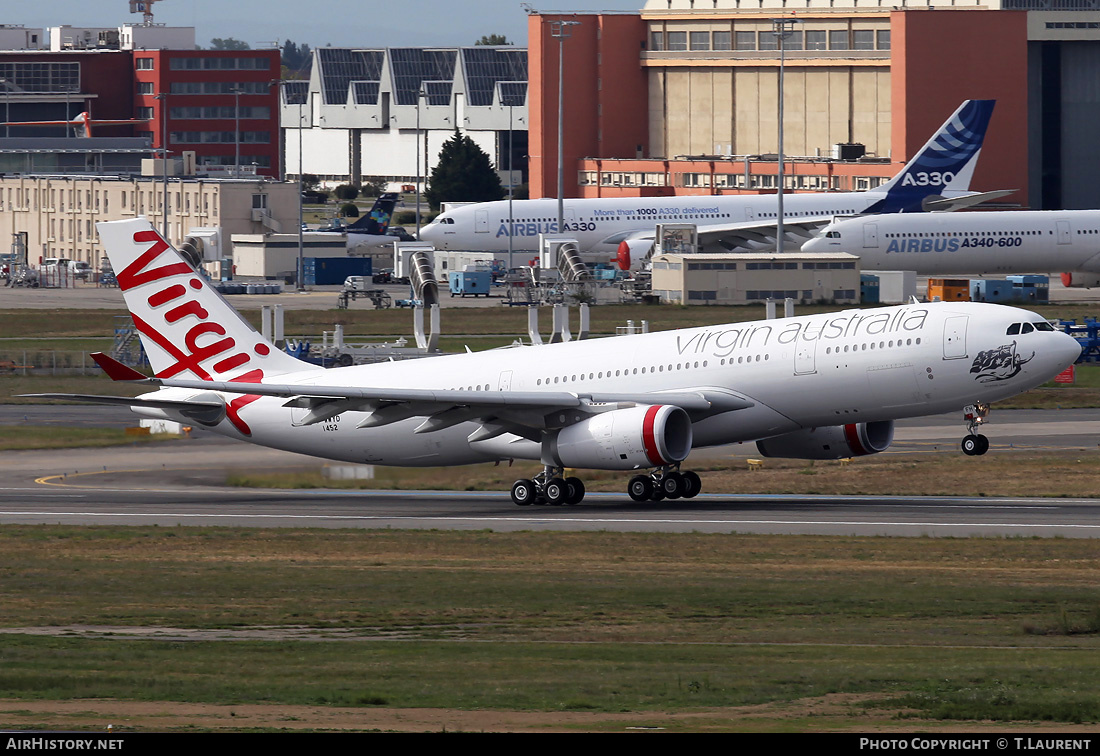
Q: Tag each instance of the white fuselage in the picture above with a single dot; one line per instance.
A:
(600, 224)
(945, 244)
(809, 371)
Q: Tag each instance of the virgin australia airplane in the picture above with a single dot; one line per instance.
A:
(812, 387)
(937, 178)
(933, 244)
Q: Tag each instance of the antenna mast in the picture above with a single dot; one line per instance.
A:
(145, 8)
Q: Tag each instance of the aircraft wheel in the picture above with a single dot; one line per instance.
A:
(970, 445)
(672, 485)
(556, 492)
(692, 485)
(983, 445)
(523, 492)
(576, 490)
(658, 494)
(640, 488)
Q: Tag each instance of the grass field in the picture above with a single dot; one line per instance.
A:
(53, 437)
(703, 632)
(923, 630)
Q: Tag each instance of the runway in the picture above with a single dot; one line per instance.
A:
(176, 483)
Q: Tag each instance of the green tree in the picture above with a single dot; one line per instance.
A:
(373, 186)
(228, 44)
(493, 39)
(297, 59)
(346, 192)
(463, 173)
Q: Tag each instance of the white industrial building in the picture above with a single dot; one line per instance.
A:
(743, 278)
(361, 112)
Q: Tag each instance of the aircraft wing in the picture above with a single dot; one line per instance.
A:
(524, 413)
(750, 236)
(746, 236)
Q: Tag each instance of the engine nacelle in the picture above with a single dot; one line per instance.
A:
(624, 439)
(632, 252)
(1080, 280)
(831, 442)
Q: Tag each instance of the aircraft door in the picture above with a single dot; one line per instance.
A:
(481, 221)
(750, 214)
(954, 337)
(504, 383)
(870, 235)
(1063, 231)
(805, 357)
(570, 220)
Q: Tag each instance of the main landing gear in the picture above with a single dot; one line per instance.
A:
(664, 483)
(550, 487)
(975, 444)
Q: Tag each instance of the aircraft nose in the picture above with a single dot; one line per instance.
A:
(816, 244)
(1066, 349)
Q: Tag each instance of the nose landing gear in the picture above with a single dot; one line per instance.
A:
(975, 444)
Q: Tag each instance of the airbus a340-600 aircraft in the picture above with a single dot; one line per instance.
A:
(937, 178)
(813, 387)
(933, 244)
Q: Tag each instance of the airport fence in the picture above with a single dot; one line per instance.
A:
(47, 362)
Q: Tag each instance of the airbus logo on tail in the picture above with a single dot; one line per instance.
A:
(924, 178)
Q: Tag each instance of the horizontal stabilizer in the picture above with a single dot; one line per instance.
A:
(950, 204)
(208, 413)
(115, 370)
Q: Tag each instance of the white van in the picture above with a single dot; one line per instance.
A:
(55, 264)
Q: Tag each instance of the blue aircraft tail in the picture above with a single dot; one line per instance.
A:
(944, 165)
(378, 219)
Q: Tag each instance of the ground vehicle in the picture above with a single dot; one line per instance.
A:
(55, 264)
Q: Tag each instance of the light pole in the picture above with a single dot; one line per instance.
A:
(511, 187)
(511, 99)
(781, 28)
(298, 278)
(559, 30)
(163, 97)
(419, 95)
(236, 132)
(301, 183)
(7, 101)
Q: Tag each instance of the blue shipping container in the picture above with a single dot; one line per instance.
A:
(469, 282)
(331, 271)
(868, 288)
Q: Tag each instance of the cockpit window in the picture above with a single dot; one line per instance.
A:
(832, 235)
(1013, 329)
(1042, 325)
(1027, 328)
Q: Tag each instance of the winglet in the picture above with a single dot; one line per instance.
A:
(115, 370)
